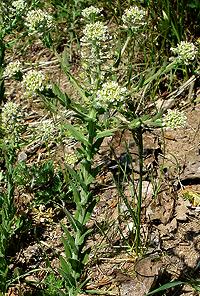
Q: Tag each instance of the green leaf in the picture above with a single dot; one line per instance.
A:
(76, 225)
(76, 266)
(76, 194)
(77, 134)
(70, 219)
(66, 272)
(77, 86)
(166, 286)
(87, 180)
(76, 178)
(67, 247)
(85, 255)
(135, 124)
(83, 237)
(106, 133)
(89, 211)
(97, 144)
(70, 244)
(63, 98)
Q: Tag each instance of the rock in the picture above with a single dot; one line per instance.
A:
(147, 271)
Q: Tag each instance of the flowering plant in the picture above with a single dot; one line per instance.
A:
(111, 95)
(185, 51)
(39, 22)
(33, 81)
(90, 12)
(174, 119)
(13, 69)
(134, 18)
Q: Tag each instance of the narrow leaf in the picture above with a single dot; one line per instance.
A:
(166, 286)
(83, 237)
(76, 194)
(63, 98)
(76, 225)
(75, 83)
(66, 272)
(76, 178)
(77, 134)
(70, 242)
(106, 133)
(76, 266)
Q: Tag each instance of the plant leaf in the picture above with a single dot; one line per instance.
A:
(63, 97)
(89, 210)
(77, 266)
(70, 243)
(77, 134)
(166, 286)
(81, 240)
(77, 86)
(76, 194)
(76, 178)
(76, 225)
(66, 272)
(105, 134)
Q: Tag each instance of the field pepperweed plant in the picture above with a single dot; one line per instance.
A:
(105, 68)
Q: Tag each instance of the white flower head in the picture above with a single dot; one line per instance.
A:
(134, 18)
(185, 51)
(96, 32)
(46, 130)
(19, 6)
(12, 69)
(71, 158)
(34, 81)
(12, 118)
(39, 21)
(91, 11)
(110, 95)
(174, 119)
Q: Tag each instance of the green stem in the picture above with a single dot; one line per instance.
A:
(7, 213)
(2, 54)
(126, 44)
(139, 201)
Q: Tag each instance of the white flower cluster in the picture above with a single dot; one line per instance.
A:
(12, 118)
(110, 95)
(93, 56)
(96, 48)
(185, 51)
(71, 158)
(39, 21)
(90, 11)
(134, 18)
(174, 119)
(19, 6)
(46, 130)
(96, 32)
(12, 69)
(34, 81)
